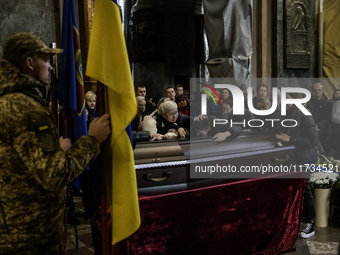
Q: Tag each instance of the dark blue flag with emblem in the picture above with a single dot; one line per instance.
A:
(71, 89)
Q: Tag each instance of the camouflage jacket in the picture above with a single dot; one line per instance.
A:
(34, 170)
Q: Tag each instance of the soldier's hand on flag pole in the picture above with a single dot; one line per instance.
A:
(100, 128)
(65, 143)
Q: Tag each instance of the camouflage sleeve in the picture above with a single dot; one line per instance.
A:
(37, 144)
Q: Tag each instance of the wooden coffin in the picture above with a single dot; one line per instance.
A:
(168, 166)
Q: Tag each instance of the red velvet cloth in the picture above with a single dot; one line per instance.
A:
(258, 216)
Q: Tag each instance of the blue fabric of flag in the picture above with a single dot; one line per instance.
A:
(71, 89)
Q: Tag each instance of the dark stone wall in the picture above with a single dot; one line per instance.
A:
(164, 44)
(27, 16)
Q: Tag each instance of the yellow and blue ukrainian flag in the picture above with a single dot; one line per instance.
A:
(108, 63)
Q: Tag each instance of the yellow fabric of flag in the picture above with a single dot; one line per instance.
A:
(331, 52)
(108, 63)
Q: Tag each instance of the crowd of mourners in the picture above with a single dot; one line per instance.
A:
(171, 116)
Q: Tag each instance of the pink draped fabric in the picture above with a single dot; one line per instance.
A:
(257, 216)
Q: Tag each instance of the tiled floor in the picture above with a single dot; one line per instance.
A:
(325, 242)
(85, 246)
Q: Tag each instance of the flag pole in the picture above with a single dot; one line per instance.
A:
(55, 91)
(103, 196)
(65, 119)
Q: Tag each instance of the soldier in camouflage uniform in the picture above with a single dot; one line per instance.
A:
(34, 168)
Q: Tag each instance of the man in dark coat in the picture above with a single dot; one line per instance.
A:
(321, 108)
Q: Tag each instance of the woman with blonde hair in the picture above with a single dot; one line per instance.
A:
(91, 102)
(170, 120)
